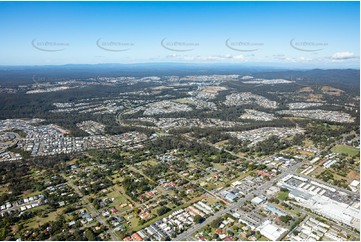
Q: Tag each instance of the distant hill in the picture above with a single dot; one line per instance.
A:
(348, 79)
(17, 75)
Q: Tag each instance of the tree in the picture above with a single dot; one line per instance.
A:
(162, 210)
(90, 235)
(284, 189)
(215, 237)
(216, 223)
(136, 211)
(286, 218)
(198, 219)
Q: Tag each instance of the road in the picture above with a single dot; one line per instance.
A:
(259, 190)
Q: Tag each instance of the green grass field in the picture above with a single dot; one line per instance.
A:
(211, 200)
(119, 199)
(263, 238)
(345, 149)
(4, 189)
(282, 195)
(210, 186)
(219, 166)
(39, 221)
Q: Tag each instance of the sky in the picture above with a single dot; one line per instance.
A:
(289, 34)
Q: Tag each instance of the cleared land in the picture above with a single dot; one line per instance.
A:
(345, 149)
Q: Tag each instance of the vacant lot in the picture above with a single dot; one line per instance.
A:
(353, 175)
(39, 221)
(345, 149)
(214, 89)
(331, 91)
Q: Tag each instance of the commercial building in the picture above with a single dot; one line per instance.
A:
(271, 231)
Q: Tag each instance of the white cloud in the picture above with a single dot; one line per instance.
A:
(239, 57)
(343, 55)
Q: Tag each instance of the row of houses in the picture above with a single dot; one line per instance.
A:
(165, 228)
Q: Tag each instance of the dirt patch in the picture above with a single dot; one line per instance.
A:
(63, 131)
(353, 175)
(305, 89)
(331, 91)
(213, 89)
(160, 87)
(314, 98)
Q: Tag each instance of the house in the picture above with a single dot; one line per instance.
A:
(263, 173)
(88, 218)
(143, 234)
(201, 238)
(354, 185)
(136, 237)
(150, 194)
(121, 219)
(222, 236)
(144, 215)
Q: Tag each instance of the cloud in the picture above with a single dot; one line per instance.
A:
(173, 56)
(239, 57)
(343, 56)
(284, 58)
(306, 59)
